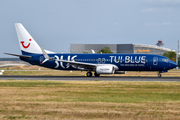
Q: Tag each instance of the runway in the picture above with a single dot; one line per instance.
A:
(84, 78)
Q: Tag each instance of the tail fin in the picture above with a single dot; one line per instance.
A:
(27, 44)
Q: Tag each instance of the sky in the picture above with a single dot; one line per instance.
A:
(55, 24)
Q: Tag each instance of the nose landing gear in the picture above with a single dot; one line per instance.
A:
(159, 75)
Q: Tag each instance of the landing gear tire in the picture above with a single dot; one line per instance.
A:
(89, 74)
(159, 75)
(96, 75)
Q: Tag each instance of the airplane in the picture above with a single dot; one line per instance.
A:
(97, 63)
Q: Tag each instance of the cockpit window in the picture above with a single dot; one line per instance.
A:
(165, 60)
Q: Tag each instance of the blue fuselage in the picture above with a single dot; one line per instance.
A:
(124, 62)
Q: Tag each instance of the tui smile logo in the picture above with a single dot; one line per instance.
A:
(22, 42)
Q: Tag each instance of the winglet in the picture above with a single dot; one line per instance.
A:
(45, 55)
(93, 52)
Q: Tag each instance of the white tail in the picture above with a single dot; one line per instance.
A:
(26, 41)
(27, 44)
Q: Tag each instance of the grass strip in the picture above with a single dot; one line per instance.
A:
(26, 99)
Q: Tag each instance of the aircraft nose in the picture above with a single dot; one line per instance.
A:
(173, 64)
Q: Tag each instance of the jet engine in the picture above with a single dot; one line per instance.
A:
(105, 69)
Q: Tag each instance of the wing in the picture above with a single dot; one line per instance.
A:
(77, 64)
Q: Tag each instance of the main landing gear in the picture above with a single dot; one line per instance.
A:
(89, 74)
(96, 75)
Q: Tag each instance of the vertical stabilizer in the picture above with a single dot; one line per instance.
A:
(27, 44)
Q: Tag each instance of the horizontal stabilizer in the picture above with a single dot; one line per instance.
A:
(24, 56)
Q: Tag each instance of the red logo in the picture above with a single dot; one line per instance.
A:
(22, 42)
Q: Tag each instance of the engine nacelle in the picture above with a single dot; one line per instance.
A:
(105, 69)
(120, 72)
